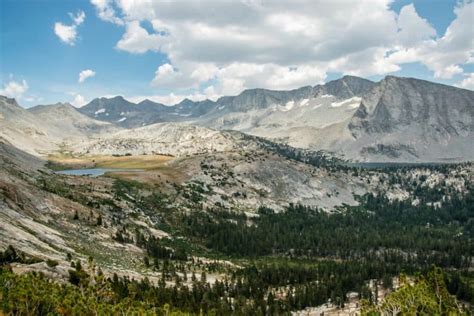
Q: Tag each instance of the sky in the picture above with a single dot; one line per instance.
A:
(76, 50)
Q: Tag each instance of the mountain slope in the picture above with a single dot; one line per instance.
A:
(43, 129)
(346, 87)
(396, 119)
(63, 117)
(111, 110)
(162, 138)
(413, 120)
(22, 129)
(295, 117)
(121, 112)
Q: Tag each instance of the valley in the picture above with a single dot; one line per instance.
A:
(332, 198)
(146, 162)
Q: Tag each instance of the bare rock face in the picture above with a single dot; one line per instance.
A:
(64, 119)
(121, 112)
(175, 139)
(396, 119)
(21, 128)
(346, 87)
(395, 103)
(124, 113)
(261, 98)
(413, 119)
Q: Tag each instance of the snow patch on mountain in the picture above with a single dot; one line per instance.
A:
(353, 102)
(304, 102)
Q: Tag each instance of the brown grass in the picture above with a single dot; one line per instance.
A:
(146, 162)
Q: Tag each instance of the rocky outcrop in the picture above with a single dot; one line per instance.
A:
(426, 120)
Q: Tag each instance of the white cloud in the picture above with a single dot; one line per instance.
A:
(106, 11)
(272, 39)
(78, 101)
(137, 40)
(165, 75)
(204, 72)
(83, 75)
(14, 89)
(68, 33)
(190, 75)
(413, 28)
(233, 45)
(444, 55)
(233, 78)
(468, 82)
(79, 18)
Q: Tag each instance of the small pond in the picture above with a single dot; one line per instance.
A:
(93, 172)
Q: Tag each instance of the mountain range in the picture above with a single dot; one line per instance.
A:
(395, 119)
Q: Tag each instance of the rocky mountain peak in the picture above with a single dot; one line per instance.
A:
(413, 115)
(55, 109)
(346, 87)
(400, 113)
(6, 102)
(147, 103)
(118, 98)
(7, 99)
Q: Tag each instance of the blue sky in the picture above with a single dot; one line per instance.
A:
(168, 51)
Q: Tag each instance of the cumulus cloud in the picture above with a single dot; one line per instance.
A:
(165, 75)
(68, 33)
(105, 10)
(14, 89)
(413, 28)
(137, 40)
(233, 45)
(444, 55)
(468, 82)
(83, 75)
(235, 77)
(78, 101)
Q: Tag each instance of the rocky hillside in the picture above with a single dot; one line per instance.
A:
(299, 117)
(121, 112)
(63, 117)
(52, 216)
(23, 129)
(175, 139)
(396, 119)
(45, 128)
(411, 120)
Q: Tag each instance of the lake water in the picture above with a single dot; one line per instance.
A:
(93, 172)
